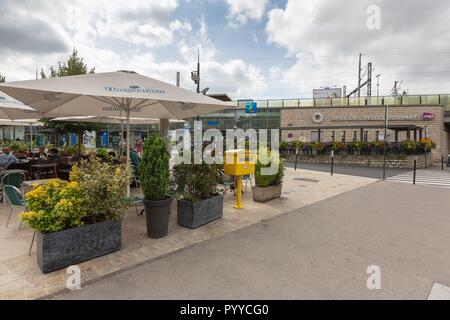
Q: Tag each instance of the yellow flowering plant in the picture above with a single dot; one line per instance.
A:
(56, 206)
(96, 193)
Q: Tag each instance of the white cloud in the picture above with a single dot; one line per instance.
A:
(241, 11)
(326, 37)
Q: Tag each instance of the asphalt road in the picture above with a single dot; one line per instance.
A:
(318, 252)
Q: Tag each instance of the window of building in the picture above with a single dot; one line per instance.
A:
(355, 135)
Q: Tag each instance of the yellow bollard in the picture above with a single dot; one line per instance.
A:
(239, 204)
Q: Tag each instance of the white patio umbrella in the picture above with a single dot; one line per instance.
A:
(15, 113)
(121, 93)
(11, 109)
(112, 120)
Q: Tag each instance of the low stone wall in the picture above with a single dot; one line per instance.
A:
(402, 162)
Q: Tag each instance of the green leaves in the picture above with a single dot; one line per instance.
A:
(266, 158)
(74, 66)
(154, 169)
(196, 182)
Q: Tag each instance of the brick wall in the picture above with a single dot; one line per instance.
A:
(303, 118)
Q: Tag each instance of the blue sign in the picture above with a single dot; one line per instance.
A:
(251, 107)
(105, 139)
(74, 139)
(213, 123)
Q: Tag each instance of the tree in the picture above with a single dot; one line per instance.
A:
(67, 127)
(74, 66)
(2, 78)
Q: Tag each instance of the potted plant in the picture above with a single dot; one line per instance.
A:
(78, 220)
(154, 174)
(268, 185)
(200, 201)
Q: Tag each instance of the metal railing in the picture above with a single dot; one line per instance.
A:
(443, 100)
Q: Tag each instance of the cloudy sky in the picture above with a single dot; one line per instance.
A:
(249, 49)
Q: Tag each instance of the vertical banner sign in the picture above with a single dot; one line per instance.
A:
(74, 139)
(105, 139)
(89, 140)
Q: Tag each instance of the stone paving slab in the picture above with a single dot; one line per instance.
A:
(20, 277)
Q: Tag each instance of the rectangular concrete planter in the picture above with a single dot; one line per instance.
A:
(62, 249)
(194, 215)
(267, 194)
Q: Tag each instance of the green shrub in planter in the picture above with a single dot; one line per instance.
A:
(268, 187)
(200, 200)
(408, 147)
(154, 174)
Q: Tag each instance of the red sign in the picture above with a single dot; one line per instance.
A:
(428, 116)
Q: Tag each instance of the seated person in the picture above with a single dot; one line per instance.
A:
(21, 155)
(42, 154)
(7, 158)
(112, 154)
(53, 154)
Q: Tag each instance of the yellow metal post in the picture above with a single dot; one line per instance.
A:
(239, 204)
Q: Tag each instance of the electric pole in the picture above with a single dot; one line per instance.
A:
(369, 79)
(198, 72)
(178, 78)
(378, 85)
(359, 75)
(195, 75)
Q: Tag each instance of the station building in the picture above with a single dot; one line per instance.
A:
(346, 119)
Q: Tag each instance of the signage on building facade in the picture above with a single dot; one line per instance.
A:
(428, 116)
(318, 117)
(394, 117)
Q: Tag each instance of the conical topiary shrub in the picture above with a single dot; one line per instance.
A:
(154, 169)
(154, 174)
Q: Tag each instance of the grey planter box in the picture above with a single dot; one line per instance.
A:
(193, 215)
(62, 249)
(267, 194)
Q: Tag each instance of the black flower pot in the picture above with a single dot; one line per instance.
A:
(157, 214)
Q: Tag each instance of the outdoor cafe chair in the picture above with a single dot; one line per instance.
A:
(16, 198)
(15, 179)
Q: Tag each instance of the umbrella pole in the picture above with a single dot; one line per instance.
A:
(31, 137)
(122, 140)
(128, 146)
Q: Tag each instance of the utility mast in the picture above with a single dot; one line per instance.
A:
(359, 75)
(361, 84)
(195, 75)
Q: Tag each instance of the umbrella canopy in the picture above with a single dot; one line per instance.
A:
(11, 109)
(121, 93)
(112, 120)
(112, 94)
(21, 123)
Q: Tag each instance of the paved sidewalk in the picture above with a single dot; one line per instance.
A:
(318, 252)
(20, 277)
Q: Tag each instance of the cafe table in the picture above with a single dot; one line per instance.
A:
(39, 167)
